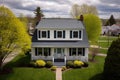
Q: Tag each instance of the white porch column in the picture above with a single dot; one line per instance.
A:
(86, 54)
(32, 53)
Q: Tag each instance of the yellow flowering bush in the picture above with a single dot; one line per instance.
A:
(40, 63)
(53, 68)
(78, 63)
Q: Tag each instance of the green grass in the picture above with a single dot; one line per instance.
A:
(104, 44)
(22, 72)
(104, 51)
(111, 38)
(29, 74)
(93, 72)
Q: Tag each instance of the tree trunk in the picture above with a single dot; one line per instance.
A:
(1, 62)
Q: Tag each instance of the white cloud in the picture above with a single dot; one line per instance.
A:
(61, 8)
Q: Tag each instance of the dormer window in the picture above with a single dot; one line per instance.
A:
(75, 34)
(43, 34)
(59, 34)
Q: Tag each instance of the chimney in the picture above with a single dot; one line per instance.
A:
(81, 18)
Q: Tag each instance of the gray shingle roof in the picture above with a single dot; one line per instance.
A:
(60, 23)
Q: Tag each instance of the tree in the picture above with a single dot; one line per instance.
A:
(13, 34)
(77, 10)
(112, 62)
(24, 20)
(93, 27)
(111, 21)
(38, 14)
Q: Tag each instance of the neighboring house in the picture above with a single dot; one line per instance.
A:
(113, 30)
(60, 40)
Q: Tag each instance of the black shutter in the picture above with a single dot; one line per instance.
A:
(64, 34)
(39, 34)
(54, 34)
(49, 51)
(83, 51)
(79, 34)
(69, 51)
(70, 34)
(48, 34)
(35, 51)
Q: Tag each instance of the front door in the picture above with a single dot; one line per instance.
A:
(59, 53)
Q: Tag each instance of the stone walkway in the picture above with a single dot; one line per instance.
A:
(58, 74)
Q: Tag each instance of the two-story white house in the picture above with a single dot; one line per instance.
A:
(60, 40)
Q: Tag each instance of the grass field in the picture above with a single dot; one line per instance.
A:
(93, 72)
(20, 72)
(29, 74)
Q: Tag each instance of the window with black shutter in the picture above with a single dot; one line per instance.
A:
(70, 34)
(39, 35)
(83, 51)
(36, 51)
(48, 34)
(69, 51)
(63, 34)
(54, 34)
(79, 34)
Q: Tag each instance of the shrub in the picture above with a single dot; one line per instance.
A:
(64, 68)
(40, 63)
(85, 64)
(69, 64)
(49, 64)
(78, 64)
(112, 62)
(32, 64)
(53, 68)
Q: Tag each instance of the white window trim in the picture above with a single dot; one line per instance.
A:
(57, 33)
(76, 52)
(46, 34)
(73, 35)
(78, 35)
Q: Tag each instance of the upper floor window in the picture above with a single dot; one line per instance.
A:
(75, 34)
(59, 34)
(44, 34)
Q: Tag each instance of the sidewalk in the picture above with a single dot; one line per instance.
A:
(58, 74)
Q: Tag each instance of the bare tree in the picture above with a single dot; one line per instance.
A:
(78, 10)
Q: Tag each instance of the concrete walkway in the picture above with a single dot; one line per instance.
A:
(101, 54)
(58, 74)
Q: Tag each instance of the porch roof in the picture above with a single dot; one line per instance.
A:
(61, 44)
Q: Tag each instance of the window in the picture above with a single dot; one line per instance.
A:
(44, 34)
(76, 51)
(75, 34)
(42, 51)
(59, 34)
(39, 51)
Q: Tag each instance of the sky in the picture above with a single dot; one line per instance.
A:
(61, 8)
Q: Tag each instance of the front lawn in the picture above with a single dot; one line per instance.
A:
(29, 74)
(21, 71)
(93, 72)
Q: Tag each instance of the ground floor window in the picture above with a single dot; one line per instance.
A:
(76, 51)
(42, 51)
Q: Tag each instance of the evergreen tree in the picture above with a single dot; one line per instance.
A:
(38, 14)
(111, 21)
(112, 62)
